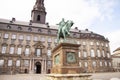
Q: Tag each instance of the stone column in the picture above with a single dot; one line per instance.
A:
(42, 66)
(45, 66)
(30, 67)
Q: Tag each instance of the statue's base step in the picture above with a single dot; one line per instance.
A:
(68, 77)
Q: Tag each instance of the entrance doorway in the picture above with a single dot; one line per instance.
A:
(38, 67)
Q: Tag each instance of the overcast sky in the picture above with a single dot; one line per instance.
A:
(99, 16)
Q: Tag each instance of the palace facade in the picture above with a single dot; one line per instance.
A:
(25, 47)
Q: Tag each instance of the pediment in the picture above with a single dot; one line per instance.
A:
(39, 44)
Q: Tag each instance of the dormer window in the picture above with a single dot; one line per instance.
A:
(29, 29)
(19, 28)
(8, 27)
(39, 30)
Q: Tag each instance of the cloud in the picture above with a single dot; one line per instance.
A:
(83, 12)
(114, 40)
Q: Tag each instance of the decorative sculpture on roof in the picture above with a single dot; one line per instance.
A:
(64, 29)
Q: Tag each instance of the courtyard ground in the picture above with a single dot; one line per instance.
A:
(95, 76)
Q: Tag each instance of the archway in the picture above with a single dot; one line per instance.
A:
(38, 67)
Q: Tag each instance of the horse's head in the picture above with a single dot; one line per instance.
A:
(70, 23)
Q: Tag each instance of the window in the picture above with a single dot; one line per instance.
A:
(49, 40)
(11, 50)
(79, 54)
(19, 51)
(4, 49)
(100, 63)
(97, 43)
(86, 65)
(38, 18)
(26, 62)
(49, 63)
(6, 35)
(102, 44)
(35, 38)
(38, 52)
(105, 63)
(110, 64)
(84, 43)
(55, 40)
(106, 44)
(98, 53)
(91, 43)
(94, 63)
(80, 64)
(18, 63)
(42, 39)
(21, 37)
(78, 42)
(1, 62)
(108, 55)
(103, 53)
(92, 53)
(9, 62)
(28, 38)
(27, 51)
(13, 36)
(85, 54)
(49, 52)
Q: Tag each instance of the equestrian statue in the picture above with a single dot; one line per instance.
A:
(64, 29)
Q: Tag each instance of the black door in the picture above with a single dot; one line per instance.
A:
(38, 67)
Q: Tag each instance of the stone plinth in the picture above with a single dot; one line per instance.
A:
(68, 77)
(65, 59)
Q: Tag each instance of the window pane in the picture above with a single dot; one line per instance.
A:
(80, 64)
(18, 63)
(35, 38)
(91, 43)
(49, 40)
(1, 62)
(85, 54)
(19, 51)
(98, 52)
(6, 35)
(103, 53)
(21, 37)
(86, 64)
(27, 51)
(28, 38)
(38, 52)
(49, 52)
(79, 54)
(11, 50)
(42, 39)
(94, 63)
(4, 49)
(9, 62)
(100, 63)
(92, 53)
(84, 43)
(26, 62)
(13, 36)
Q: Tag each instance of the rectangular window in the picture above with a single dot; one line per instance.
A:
(100, 63)
(38, 52)
(103, 53)
(9, 62)
(94, 63)
(105, 63)
(35, 38)
(4, 49)
(27, 51)
(1, 62)
(26, 62)
(18, 63)
(79, 54)
(49, 63)
(21, 37)
(28, 38)
(86, 65)
(13, 36)
(80, 64)
(98, 53)
(97, 43)
(85, 54)
(49, 40)
(110, 64)
(11, 50)
(42, 39)
(84, 43)
(19, 51)
(91, 43)
(49, 52)
(6, 35)
(92, 53)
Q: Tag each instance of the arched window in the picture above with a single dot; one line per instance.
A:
(38, 18)
(92, 53)
(98, 53)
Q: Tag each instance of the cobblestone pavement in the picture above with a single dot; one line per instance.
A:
(95, 76)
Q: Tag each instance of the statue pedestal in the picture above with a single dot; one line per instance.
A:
(65, 59)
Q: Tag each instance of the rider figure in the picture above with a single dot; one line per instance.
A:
(61, 24)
